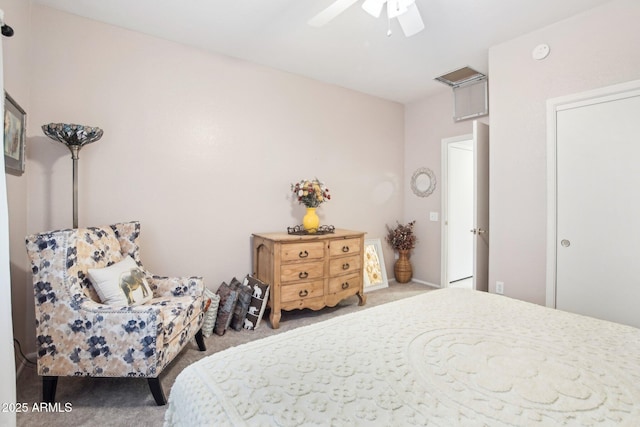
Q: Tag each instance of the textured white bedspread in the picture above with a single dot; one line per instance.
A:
(445, 358)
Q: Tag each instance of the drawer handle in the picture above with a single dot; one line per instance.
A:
(345, 249)
(303, 293)
(303, 254)
(345, 285)
(345, 266)
(303, 275)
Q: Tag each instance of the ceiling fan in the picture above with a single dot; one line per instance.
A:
(405, 10)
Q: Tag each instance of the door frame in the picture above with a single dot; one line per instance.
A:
(554, 105)
(444, 205)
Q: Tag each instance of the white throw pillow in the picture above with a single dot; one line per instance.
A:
(121, 284)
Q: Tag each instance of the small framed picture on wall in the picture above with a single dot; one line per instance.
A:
(15, 128)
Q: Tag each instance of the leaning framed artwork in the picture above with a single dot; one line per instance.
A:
(375, 274)
(15, 128)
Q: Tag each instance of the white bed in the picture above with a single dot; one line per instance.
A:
(444, 358)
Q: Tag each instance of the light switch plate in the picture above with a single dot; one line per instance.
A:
(433, 216)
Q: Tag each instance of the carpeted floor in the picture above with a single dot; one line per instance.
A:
(128, 402)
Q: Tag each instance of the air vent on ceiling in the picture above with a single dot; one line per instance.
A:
(470, 93)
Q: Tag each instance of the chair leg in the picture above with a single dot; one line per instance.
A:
(49, 385)
(200, 341)
(156, 391)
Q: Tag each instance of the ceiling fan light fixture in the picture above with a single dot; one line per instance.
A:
(405, 10)
(396, 8)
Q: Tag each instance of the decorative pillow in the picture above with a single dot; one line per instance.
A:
(228, 299)
(121, 284)
(259, 299)
(100, 248)
(242, 306)
(211, 312)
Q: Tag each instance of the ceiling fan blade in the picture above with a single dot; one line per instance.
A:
(411, 21)
(335, 9)
(373, 7)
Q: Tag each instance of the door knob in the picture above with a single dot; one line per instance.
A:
(478, 231)
(566, 243)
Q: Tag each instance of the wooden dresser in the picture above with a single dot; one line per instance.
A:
(310, 271)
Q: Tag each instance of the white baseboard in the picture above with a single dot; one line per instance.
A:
(422, 282)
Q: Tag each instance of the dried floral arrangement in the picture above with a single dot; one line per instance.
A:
(401, 237)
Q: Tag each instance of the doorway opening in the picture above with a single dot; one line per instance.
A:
(457, 212)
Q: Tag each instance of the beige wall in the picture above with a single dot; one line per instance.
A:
(16, 83)
(594, 49)
(427, 123)
(200, 148)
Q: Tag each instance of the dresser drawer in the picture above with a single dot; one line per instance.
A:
(344, 265)
(344, 283)
(302, 251)
(301, 271)
(301, 291)
(344, 247)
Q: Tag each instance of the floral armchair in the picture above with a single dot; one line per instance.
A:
(79, 336)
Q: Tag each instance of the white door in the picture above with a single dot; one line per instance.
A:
(598, 208)
(480, 225)
(460, 209)
(481, 206)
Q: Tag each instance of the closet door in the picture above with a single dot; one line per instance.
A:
(598, 208)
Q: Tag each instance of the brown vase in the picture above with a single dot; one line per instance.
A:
(402, 268)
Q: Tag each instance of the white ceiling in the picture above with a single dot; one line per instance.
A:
(353, 50)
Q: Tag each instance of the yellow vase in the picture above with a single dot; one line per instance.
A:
(311, 222)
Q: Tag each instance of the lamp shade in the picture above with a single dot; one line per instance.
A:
(72, 134)
(74, 137)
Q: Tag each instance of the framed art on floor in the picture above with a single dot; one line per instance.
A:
(375, 274)
(15, 121)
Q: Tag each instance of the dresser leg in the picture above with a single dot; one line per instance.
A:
(275, 319)
(362, 297)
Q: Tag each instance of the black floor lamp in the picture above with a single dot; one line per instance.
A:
(74, 137)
